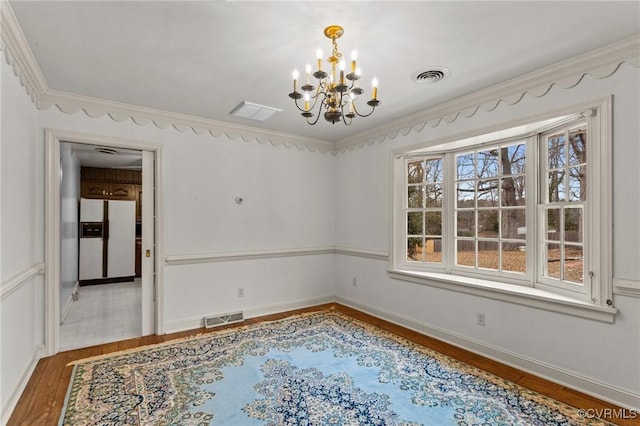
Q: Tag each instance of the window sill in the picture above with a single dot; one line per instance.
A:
(511, 293)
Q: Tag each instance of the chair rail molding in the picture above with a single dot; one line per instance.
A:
(18, 280)
(228, 256)
(626, 287)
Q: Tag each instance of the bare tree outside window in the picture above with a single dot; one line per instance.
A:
(566, 159)
(424, 210)
(490, 208)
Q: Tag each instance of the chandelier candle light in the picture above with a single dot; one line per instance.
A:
(336, 95)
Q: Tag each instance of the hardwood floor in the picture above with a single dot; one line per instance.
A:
(42, 400)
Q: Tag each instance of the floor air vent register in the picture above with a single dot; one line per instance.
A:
(218, 320)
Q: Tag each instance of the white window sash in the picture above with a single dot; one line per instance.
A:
(597, 221)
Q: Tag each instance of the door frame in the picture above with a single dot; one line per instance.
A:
(53, 138)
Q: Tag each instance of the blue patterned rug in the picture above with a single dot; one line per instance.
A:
(322, 368)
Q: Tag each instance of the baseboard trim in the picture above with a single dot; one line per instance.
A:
(7, 410)
(198, 322)
(68, 303)
(557, 375)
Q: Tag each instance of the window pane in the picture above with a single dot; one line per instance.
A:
(573, 224)
(488, 223)
(556, 147)
(578, 147)
(434, 170)
(488, 254)
(415, 172)
(466, 253)
(466, 193)
(553, 224)
(434, 196)
(578, 183)
(513, 191)
(556, 186)
(514, 257)
(433, 250)
(514, 224)
(466, 224)
(488, 163)
(414, 223)
(553, 261)
(414, 197)
(414, 249)
(512, 159)
(433, 224)
(573, 264)
(488, 193)
(465, 168)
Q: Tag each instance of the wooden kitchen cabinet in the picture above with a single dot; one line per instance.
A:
(112, 184)
(109, 191)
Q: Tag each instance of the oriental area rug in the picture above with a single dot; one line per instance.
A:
(319, 368)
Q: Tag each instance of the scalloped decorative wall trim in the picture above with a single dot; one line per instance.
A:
(599, 63)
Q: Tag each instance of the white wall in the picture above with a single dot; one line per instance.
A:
(602, 354)
(288, 204)
(21, 227)
(69, 199)
(296, 199)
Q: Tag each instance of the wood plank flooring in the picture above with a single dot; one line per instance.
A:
(42, 400)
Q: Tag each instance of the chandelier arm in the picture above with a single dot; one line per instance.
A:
(298, 106)
(314, 121)
(344, 119)
(355, 109)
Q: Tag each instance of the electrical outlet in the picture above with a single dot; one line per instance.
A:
(480, 319)
(240, 292)
(354, 282)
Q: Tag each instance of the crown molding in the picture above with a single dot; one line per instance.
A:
(71, 103)
(18, 54)
(599, 63)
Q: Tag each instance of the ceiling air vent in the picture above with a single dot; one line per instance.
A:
(254, 111)
(104, 150)
(218, 320)
(430, 75)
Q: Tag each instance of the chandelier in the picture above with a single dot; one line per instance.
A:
(336, 93)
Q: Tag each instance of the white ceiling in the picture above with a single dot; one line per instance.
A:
(108, 157)
(203, 58)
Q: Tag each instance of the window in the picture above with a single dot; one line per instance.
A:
(424, 211)
(562, 206)
(490, 216)
(524, 207)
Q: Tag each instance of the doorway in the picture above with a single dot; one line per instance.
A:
(112, 307)
(100, 253)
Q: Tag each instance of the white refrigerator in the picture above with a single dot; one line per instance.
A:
(107, 241)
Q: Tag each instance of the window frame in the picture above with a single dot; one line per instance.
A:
(596, 301)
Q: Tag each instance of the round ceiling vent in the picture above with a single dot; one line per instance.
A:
(430, 74)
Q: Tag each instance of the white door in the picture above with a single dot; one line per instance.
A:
(148, 243)
(121, 246)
